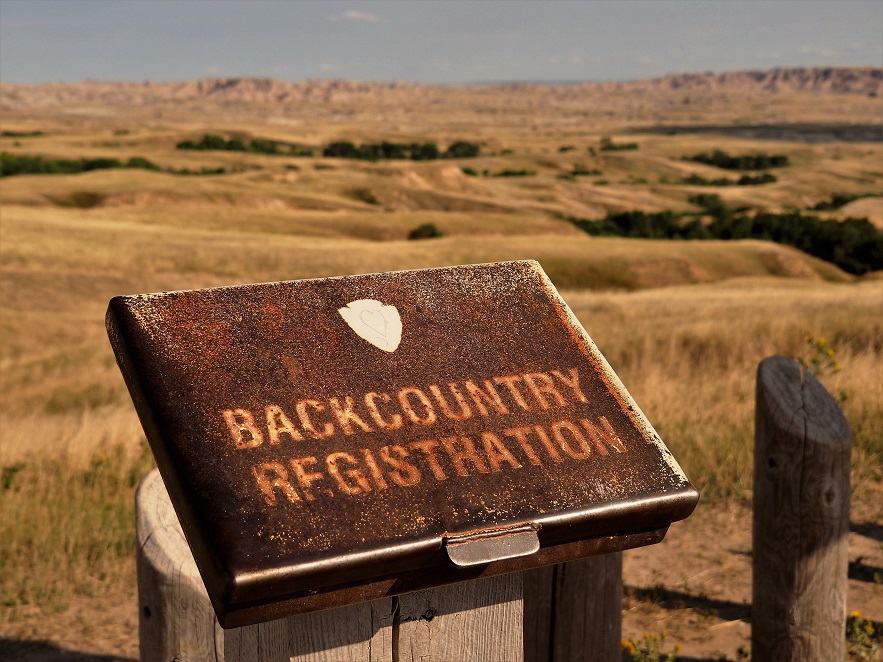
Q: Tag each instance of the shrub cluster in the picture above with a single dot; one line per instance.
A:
(427, 151)
(425, 231)
(14, 164)
(744, 180)
(607, 145)
(21, 134)
(255, 146)
(579, 170)
(509, 172)
(854, 244)
(721, 159)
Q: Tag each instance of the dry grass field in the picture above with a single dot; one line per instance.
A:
(683, 323)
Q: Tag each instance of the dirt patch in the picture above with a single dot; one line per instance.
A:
(97, 629)
(695, 586)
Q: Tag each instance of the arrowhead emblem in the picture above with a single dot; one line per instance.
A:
(372, 321)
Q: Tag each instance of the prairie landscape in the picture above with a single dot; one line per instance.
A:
(122, 188)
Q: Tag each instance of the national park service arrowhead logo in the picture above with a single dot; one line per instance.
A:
(372, 321)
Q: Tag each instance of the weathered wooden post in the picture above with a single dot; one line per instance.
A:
(387, 446)
(466, 621)
(801, 517)
(176, 619)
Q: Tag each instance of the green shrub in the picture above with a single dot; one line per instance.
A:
(854, 245)
(21, 134)
(580, 170)
(744, 180)
(426, 151)
(425, 231)
(423, 151)
(141, 162)
(255, 146)
(756, 180)
(342, 150)
(508, 172)
(469, 171)
(607, 145)
(462, 150)
(721, 159)
(14, 164)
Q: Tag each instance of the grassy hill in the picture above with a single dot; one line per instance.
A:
(683, 323)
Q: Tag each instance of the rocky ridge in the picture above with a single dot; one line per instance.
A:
(256, 91)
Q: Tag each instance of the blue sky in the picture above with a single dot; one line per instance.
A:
(426, 41)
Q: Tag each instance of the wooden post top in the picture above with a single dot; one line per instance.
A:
(333, 440)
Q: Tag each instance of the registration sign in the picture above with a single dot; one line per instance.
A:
(335, 440)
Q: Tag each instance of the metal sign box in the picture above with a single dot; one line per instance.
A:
(336, 440)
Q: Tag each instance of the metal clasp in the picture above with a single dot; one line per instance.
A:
(482, 547)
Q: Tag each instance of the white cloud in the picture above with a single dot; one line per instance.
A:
(358, 16)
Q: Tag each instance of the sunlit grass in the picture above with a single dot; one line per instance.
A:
(684, 324)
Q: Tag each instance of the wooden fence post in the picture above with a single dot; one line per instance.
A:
(176, 620)
(478, 621)
(573, 611)
(801, 517)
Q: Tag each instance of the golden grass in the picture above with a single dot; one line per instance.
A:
(684, 324)
(689, 356)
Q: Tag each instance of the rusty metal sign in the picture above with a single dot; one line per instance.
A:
(336, 440)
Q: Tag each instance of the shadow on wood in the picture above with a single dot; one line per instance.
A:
(573, 611)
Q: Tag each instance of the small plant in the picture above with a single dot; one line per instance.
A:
(819, 357)
(8, 474)
(650, 649)
(469, 171)
(509, 172)
(863, 637)
(425, 231)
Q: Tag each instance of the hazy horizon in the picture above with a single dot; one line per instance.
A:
(428, 42)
